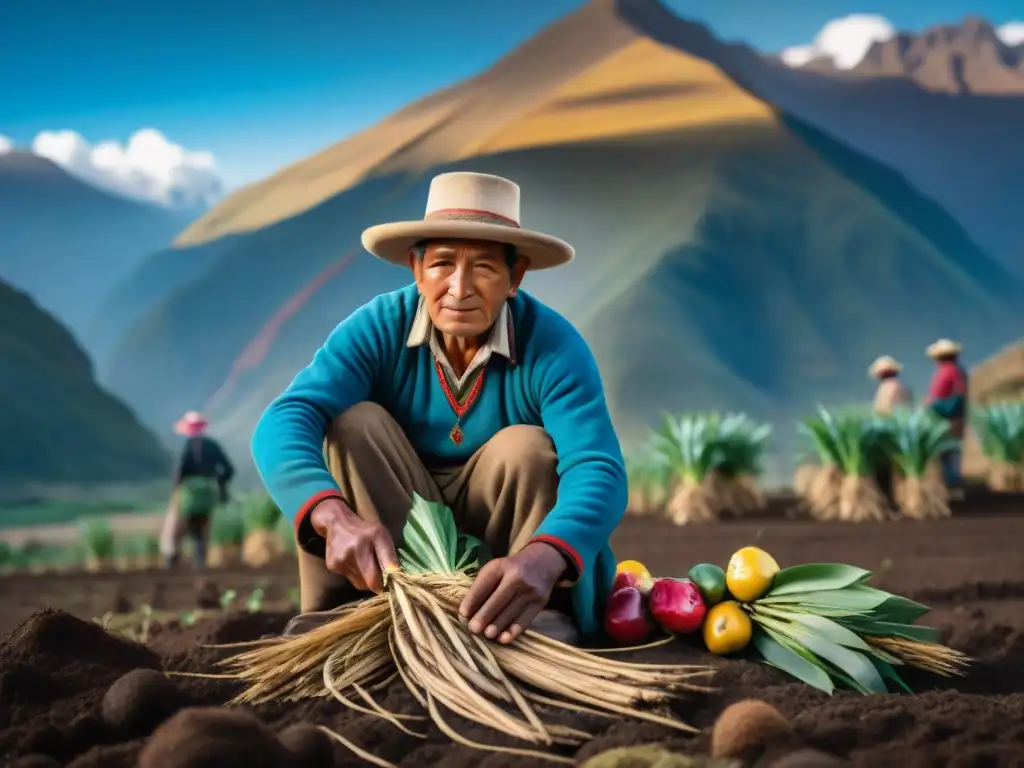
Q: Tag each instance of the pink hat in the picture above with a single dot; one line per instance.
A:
(192, 424)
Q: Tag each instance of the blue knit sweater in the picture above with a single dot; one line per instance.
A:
(554, 384)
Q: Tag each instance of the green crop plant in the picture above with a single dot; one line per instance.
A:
(1000, 429)
(27, 556)
(713, 459)
(851, 445)
(98, 542)
(915, 441)
(261, 513)
(227, 528)
(262, 540)
(650, 480)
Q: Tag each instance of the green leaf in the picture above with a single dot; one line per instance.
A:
(816, 577)
(430, 538)
(888, 672)
(472, 553)
(876, 628)
(848, 599)
(856, 665)
(900, 610)
(778, 655)
(844, 680)
(831, 631)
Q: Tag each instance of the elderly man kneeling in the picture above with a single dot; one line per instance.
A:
(466, 390)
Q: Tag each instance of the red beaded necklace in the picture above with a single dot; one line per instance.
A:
(461, 409)
(455, 435)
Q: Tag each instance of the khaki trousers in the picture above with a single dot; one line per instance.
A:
(501, 495)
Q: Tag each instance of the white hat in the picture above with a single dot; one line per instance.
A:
(944, 348)
(884, 364)
(469, 206)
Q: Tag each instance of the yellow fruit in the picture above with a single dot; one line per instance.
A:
(727, 628)
(635, 567)
(750, 573)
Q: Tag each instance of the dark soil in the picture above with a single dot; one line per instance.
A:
(55, 669)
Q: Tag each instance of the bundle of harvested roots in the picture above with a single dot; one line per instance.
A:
(413, 632)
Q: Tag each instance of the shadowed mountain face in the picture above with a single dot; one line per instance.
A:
(57, 424)
(68, 243)
(965, 58)
(730, 256)
(747, 271)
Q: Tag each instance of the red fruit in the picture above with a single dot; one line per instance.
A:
(677, 605)
(634, 580)
(625, 617)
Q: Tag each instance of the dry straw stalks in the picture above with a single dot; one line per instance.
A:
(413, 632)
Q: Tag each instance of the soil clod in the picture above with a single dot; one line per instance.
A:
(808, 758)
(140, 701)
(35, 761)
(746, 729)
(158, 597)
(213, 737)
(652, 756)
(207, 595)
(121, 603)
(308, 745)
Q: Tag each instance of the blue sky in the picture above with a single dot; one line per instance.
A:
(261, 83)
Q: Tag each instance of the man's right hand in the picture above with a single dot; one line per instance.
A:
(356, 549)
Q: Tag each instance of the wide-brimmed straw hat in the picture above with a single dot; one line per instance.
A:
(468, 206)
(944, 348)
(191, 424)
(884, 364)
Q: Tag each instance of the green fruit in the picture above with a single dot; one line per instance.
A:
(710, 580)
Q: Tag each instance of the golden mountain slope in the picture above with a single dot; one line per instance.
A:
(589, 77)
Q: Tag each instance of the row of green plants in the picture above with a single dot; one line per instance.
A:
(96, 548)
(249, 528)
(136, 625)
(695, 467)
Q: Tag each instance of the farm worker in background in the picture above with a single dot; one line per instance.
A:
(200, 484)
(947, 397)
(468, 391)
(892, 393)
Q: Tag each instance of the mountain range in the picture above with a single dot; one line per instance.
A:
(57, 424)
(68, 243)
(749, 236)
(968, 57)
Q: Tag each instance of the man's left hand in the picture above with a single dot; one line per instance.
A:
(509, 592)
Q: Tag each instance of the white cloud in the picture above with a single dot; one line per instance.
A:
(1012, 33)
(149, 167)
(6, 145)
(846, 41)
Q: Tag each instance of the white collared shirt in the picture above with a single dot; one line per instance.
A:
(498, 342)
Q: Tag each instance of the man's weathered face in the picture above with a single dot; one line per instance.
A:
(465, 283)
